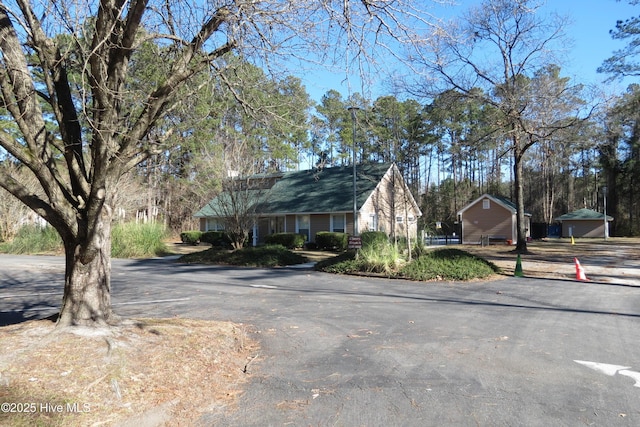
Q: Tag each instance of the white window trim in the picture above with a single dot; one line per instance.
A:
(298, 224)
(373, 226)
(486, 204)
(344, 222)
(217, 225)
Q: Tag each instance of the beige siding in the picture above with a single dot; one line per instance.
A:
(319, 223)
(390, 201)
(584, 228)
(349, 224)
(495, 221)
(290, 224)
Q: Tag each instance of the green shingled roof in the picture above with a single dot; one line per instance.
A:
(315, 191)
(506, 202)
(583, 215)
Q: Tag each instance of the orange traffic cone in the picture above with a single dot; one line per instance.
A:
(579, 271)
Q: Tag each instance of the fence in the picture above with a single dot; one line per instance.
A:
(442, 240)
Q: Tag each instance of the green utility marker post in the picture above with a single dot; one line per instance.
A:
(518, 271)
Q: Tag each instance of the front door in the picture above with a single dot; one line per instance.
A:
(303, 226)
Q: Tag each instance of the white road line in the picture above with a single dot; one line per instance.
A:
(605, 368)
(632, 374)
(30, 295)
(264, 286)
(611, 370)
(152, 301)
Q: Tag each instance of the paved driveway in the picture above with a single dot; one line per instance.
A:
(351, 351)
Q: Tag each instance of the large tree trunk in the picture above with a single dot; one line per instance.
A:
(521, 245)
(87, 285)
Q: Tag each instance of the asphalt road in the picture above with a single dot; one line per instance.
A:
(350, 351)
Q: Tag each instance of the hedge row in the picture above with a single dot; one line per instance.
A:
(332, 241)
(288, 240)
(325, 240)
(215, 238)
(192, 237)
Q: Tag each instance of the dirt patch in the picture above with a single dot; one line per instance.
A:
(316, 256)
(615, 260)
(149, 372)
(179, 248)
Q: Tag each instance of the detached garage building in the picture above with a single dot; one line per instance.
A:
(583, 223)
(492, 218)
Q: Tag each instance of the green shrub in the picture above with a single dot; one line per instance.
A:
(131, 240)
(216, 238)
(262, 256)
(442, 264)
(448, 264)
(374, 239)
(333, 241)
(312, 246)
(288, 240)
(191, 237)
(344, 263)
(34, 239)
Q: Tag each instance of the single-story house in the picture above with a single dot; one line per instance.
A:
(584, 223)
(492, 218)
(307, 202)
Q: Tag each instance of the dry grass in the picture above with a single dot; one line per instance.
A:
(149, 372)
(613, 260)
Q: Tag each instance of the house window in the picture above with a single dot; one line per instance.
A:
(337, 223)
(399, 219)
(276, 225)
(373, 222)
(214, 224)
(302, 225)
(486, 204)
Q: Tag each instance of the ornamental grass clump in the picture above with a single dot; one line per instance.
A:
(381, 258)
(34, 239)
(133, 240)
(376, 256)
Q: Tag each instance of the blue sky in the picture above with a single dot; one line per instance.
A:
(589, 32)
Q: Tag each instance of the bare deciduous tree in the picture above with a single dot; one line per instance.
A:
(499, 46)
(65, 80)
